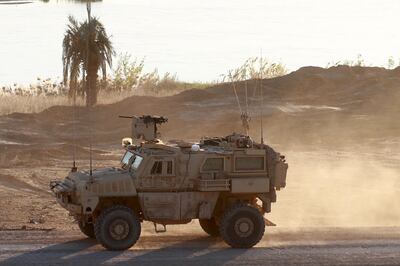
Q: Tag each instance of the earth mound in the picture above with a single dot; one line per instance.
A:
(313, 105)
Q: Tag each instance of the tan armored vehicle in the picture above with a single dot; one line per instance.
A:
(227, 183)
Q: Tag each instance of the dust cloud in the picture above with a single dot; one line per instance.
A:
(338, 189)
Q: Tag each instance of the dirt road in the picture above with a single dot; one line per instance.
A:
(281, 246)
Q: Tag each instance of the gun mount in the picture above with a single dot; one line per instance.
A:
(145, 126)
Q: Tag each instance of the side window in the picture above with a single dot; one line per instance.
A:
(249, 163)
(213, 165)
(157, 168)
(169, 167)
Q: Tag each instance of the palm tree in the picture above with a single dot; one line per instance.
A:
(86, 49)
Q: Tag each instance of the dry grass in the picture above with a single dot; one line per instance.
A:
(11, 103)
(29, 104)
(28, 100)
(34, 104)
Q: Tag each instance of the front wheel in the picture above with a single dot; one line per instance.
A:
(242, 226)
(117, 228)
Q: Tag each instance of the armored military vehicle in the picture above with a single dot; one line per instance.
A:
(227, 183)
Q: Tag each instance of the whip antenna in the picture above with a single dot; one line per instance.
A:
(260, 75)
(234, 75)
(74, 168)
(88, 88)
(246, 114)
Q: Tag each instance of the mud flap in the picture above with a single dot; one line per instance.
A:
(268, 222)
(266, 202)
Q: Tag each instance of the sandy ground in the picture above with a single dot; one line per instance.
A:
(188, 245)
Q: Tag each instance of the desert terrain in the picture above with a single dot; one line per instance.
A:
(338, 128)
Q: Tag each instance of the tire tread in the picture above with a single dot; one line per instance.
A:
(228, 214)
(97, 227)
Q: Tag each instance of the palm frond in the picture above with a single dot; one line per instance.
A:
(76, 61)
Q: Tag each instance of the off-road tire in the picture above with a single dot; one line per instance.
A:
(242, 226)
(87, 229)
(117, 222)
(209, 226)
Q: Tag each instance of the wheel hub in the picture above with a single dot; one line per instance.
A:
(119, 229)
(244, 227)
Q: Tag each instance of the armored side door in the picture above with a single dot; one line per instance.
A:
(159, 175)
(157, 186)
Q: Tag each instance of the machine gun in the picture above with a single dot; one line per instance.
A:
(145, 126)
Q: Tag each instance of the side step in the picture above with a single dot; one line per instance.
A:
(160, 230)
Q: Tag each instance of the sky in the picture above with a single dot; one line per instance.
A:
(200, 40)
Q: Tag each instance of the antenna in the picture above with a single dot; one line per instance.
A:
(262, 99)
(88, 89)
(246, 115)
(234, 75)
(74, 168)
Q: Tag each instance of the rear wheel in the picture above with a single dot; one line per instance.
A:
(242, 226)
(117, 228)
(87, 229)
(209, 226)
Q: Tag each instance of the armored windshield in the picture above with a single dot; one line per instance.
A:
(125, 160)
(136, 163)
(132, 158)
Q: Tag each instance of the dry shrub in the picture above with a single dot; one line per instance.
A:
(360, 62)
(128, 76)
(255, 68)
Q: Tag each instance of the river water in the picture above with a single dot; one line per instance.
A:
(200, 40)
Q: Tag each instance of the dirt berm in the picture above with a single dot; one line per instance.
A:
(312, 105)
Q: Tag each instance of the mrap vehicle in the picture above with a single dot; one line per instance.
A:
(227, 183)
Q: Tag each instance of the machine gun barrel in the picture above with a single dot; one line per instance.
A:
(125, 116)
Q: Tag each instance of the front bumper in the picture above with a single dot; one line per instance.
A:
(63, 192)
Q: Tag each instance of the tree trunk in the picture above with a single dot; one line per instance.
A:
(72, 88)
(91, 87)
